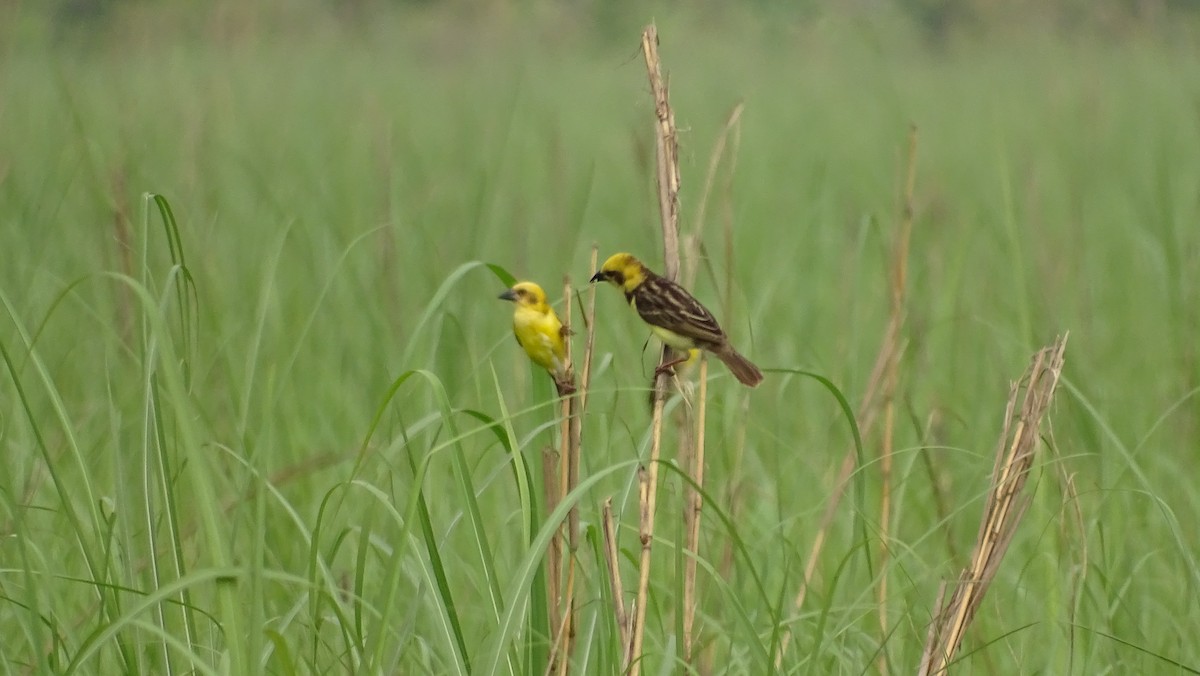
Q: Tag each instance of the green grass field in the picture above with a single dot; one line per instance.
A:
(291, 433)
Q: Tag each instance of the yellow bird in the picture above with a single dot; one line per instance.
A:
(674, 315)
(540, 333)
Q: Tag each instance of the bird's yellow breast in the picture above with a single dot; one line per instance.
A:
(540, 335)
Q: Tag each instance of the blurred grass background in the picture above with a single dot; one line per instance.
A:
(196, 483)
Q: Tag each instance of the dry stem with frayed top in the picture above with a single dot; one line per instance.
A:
(668, 202)
(1029, 402)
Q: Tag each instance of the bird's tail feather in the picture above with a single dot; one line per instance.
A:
(745, 371)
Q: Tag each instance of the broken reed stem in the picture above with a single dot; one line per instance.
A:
(668, 154)
(693, 505)
(1006, 504)
(668, 200)
(613, 561)
(899, 288)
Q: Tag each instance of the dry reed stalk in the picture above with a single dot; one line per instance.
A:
(1029, 402)
(553, 664)
(899, 287)
(667, 155)
(567, 479)
(613, 561)
(573, 436)
(691, 520)
(732, 128)
(554, 556)
(668, 202)
(890, 350)
(566, 639)
(576, 401)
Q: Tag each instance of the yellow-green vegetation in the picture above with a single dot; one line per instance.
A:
(276, 423)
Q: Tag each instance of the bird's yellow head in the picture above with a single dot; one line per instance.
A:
(623, 270)
(527, 295)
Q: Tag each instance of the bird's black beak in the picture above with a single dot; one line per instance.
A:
(598, 277)
(508, 295)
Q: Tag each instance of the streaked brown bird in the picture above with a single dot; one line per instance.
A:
(674, 315)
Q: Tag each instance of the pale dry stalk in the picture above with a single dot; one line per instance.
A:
(585, 377)
(899, 289)
(1029, 403)
(559, 564)
(613, 561)
(559, 661)
(668, 191)
(666, 143)
(568, 479)
(571, 432)
(564, 641)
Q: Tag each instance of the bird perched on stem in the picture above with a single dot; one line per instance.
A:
(540, 333)
(678, 319)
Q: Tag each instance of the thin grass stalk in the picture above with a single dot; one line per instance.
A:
(668, 192)
(940, 503)
(585, 378)
(1006, 504)
(692, 519)
(899, 289)
(732, 127)
(694, 240)
(692, 441)
(866, 414)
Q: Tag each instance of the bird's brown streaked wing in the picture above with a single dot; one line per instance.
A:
(664, 303)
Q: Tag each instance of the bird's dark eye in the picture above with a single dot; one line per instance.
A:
(617, 276)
